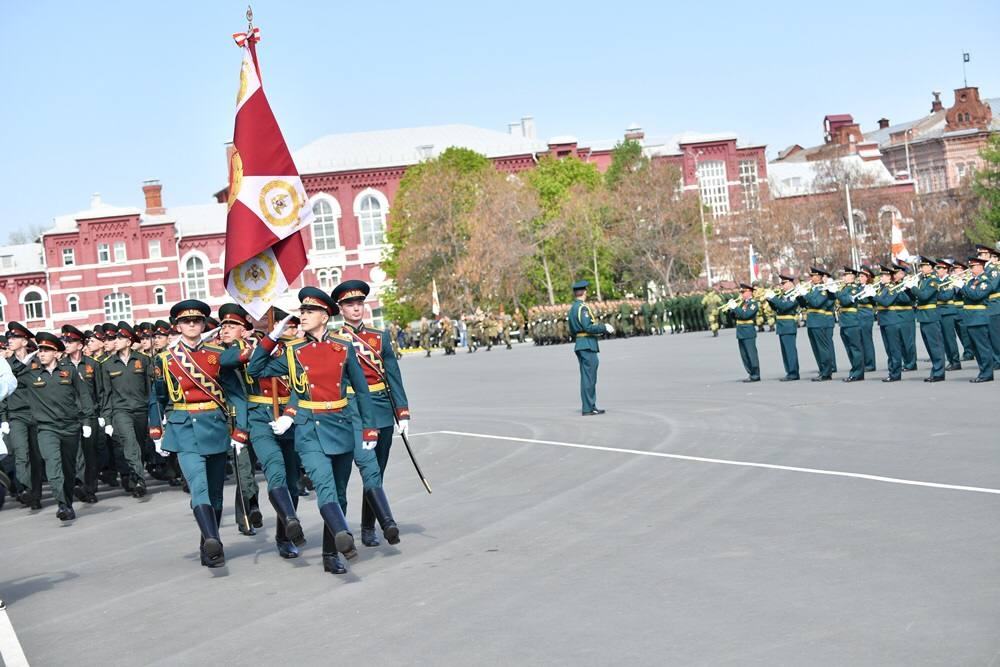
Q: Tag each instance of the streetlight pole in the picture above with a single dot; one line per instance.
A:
(701, 214)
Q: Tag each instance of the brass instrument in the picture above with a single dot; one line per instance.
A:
(948, 282)
(729, 305)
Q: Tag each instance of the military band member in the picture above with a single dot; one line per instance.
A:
(60, 404)
(786, 325)
(850, 324)
(991, 273)
(819, 305)
(190, 402)
(925, 295)
(320, 367)
(89, 371)
(746, 332)
(947, 310)
(976, 294)
(866, 316)
(958, 270)
(19, 429)
(125, 379)
(385, 384)
(585, 331)
(894, 301)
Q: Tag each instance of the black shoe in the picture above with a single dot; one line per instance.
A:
(594, 412)
(788, 378)
(80, 493)
(333, 564)
(953, 367)
(968, 357)
(822, 378)
(989, 379)
(65, 513)
(907, 369)
(853, 379)
(934, 379)
(286, 549)
(256, 518)
(91, 498)
(752, 380)
(368, 537)
(890, 379)
(138, 487)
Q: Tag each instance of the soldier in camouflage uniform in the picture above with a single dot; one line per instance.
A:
(425, 335)
(447, 336)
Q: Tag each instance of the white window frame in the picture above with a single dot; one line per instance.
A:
(117, 307)
(33, 304)
(120, 256)
(73, 303)
(714, 186)
(159, 295)
(103, 253)
(750, 181)
(324, 222)
(150, 245)
(68, 254)
(328, 278)
(199, 291)
(377, 237)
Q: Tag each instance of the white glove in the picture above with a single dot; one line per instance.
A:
(3, 448)
(281, 424)
(610, 329)
(87, 431)
(27, 358)
(403, 426)
(158, 445)
(238, 446)
(5, 428)
(209, 335)
(101, 422)
(369, 444)
(770, 294)
(109, 429)
(279, 328)
(831, 288)
(957, 284)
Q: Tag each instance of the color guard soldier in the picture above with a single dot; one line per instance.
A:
(60, 403)
(89, 371)
(190, 401)
(850, 325)
(20, 430)
(125, 378)
(976, 294)
(786, 325)
(925, 295)
(319, 367)
(276, 453)
(385, 384)
(819, 304)
(746, 332)
(585, 331)
(866, 317)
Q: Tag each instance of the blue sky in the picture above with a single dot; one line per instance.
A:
(99, 96)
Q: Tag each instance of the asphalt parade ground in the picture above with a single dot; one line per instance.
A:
(701, 521)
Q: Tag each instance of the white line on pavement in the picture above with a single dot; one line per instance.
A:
(747, 464)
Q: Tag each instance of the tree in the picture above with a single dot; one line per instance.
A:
(986, 186)
(625, 157)
(28, 234)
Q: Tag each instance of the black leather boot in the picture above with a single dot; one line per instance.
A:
(368, 536)
(335, 521)
(284, 507)
(331, 559)
(380, 505)
(138, 486)
(285, 547)
(242, 521)
(212, 554)
(256, 518)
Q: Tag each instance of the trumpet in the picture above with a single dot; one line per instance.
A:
(868, 290)
(729, 305)
(950, 281)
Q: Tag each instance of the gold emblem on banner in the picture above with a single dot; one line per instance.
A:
(235, 176)
(256, 278)
(279, 203)
(244, 81)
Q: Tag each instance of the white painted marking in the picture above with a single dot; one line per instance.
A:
(746, 464)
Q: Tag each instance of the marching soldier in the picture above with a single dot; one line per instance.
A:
(866, 317)
(60, 403)
(946, 309)
(88, 370)
(425, 335)
(125, 378)
(893, 301)
(976, 294)
(785, 309)
(991, 271)
(925, 295)
(20, 429)
(746, 332)
(957, 270)
(394, 339)
(819, 304)
(447, 336)
(850, 325)
(909, 328)
(385, 384)
(324, 431)
(190, 402)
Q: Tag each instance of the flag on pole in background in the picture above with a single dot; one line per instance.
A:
(268, 207)
(754, 268)
(899, 251)
(435, 302)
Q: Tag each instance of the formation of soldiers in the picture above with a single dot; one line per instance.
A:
(956, 305)
(185, 400)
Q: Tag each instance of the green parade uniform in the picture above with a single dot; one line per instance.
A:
(947, 309)
(88, 370)
(585, 332)
(850, 328)
(60, 403)
(819, 305)
(894, 301)
(866, 318)
(21, 431)
(925, 295)
(126, 378)
(976, 294)
(787, 327)
(746, 333)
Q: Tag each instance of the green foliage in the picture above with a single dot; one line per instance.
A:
(626, 157)
(986, 185)
(397, 309)
(553, 179)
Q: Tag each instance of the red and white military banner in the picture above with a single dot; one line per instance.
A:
(268, 207)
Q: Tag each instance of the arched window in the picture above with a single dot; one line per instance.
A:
(34, 306)
(3, 308)
(371, 218)
(117, 307)
(196, 278)
(860, 223)
(73, 304)
(159, 296)
(324, 227)
(328, 278)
